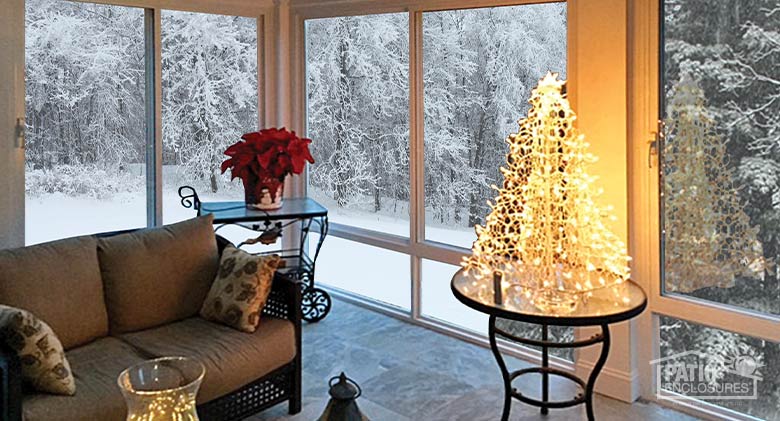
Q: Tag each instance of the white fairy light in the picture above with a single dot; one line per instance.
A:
(544, 223)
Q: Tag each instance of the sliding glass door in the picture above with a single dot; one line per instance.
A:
(719, 204)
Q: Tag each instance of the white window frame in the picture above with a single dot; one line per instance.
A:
(644, 213)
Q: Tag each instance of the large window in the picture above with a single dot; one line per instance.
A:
(372, 129)
(85, 159)
(209, 82)
(358, 116)
(88, 71)
(357, 79)
(479, 66)
(720, 196)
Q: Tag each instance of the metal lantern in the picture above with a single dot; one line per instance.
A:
(342, 405)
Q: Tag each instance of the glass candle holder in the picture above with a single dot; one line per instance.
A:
(162, 389)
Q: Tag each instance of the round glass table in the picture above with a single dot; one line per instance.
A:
(601, 308)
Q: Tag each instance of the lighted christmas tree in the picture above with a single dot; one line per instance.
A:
(708, 237)
(545, 233)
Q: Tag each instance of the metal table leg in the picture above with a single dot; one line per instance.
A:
(502, 367)
(545, 375)
(545, 370)
(605, 343)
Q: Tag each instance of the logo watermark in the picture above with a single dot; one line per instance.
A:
(696, 375)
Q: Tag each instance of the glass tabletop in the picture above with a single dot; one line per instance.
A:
(238, 212)
(602, 306)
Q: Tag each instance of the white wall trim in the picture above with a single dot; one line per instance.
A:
(613, 382)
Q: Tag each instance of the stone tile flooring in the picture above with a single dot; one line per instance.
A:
(411, 373)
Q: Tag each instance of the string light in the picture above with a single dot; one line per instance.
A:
(166, 406)
(545, 233)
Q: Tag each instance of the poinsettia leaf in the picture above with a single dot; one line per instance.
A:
(226, 164)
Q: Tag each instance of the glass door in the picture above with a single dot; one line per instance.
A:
(718, 294)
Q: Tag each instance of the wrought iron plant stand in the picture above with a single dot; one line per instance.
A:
(306, 213)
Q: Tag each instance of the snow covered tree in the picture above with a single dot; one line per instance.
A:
(84, 84)
(477, 63)
(209, 90)
(358, 108)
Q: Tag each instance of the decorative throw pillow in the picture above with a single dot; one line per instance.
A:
(44, 366)
(240, 290)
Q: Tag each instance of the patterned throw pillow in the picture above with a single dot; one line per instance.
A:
(240, 290)
(44, 366)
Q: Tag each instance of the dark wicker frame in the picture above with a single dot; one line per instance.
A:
(282, 384)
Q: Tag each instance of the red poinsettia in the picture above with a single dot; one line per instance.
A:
(268, 155)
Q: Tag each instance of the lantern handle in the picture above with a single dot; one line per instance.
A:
(346, 379)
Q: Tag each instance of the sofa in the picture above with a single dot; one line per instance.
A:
(117, 299)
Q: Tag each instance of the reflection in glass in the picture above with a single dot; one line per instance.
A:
(720, 166)
(733, 360)
(721, 172)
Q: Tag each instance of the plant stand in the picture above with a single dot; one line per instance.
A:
(304, 213)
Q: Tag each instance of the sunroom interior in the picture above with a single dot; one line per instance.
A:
(109, 107)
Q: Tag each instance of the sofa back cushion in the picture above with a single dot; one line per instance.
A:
(60, 283)
(158, 275)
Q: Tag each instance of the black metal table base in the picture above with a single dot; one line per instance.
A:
(586, 394)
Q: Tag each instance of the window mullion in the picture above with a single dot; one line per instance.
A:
(416, 152)
(153, 99)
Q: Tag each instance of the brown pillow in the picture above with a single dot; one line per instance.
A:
(44, 366)
(160, 275)
(240, 290)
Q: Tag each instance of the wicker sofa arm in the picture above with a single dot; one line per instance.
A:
(284, 301)
(10, 385)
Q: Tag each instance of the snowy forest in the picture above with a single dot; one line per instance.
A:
(479, 67)
(85, 87)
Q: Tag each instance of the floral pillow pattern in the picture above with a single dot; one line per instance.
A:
(44, 366)
(239, 292)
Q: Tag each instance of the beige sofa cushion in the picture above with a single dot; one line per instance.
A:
(239, 293)
(159, 275)
(96, 367)
(60, 283)
(44, 366)
(232, 358)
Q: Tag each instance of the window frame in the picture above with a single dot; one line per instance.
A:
(645, 104)
(415, 246)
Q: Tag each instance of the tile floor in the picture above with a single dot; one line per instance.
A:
(411, 373)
